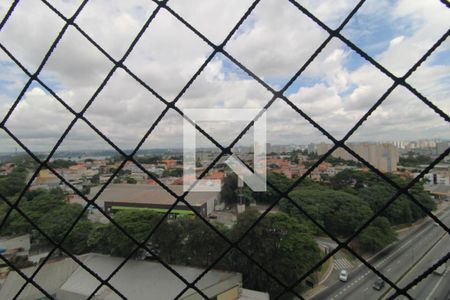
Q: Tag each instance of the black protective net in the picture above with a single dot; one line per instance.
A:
(170, 105)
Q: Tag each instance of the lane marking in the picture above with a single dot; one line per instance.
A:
(436, 286)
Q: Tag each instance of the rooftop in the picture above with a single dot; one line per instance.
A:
(148, 194)
(135, 280)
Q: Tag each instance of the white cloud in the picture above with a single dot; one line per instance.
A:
(398, 116)
(167, 55)
(115, 25)
(30, 31)
(39, 120)
(76, 69)
(274, 42)
(213, 18)
(395, 41)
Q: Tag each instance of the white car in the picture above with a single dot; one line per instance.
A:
(343, 276)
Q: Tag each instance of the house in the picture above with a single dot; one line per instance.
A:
(169, 163)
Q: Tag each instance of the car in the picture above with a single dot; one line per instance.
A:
(343, 275)
(378, 284)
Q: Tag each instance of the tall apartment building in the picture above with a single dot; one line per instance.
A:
(441, 147)
(383, 156)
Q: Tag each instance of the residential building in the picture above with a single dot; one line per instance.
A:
(441, 147)
(383, 156)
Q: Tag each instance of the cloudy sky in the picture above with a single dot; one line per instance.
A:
(273, 42)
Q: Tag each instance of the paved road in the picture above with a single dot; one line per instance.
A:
(395, 263)
(434, 286)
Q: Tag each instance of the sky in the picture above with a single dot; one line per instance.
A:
(274, 42)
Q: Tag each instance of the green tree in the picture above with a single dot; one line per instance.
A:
(61, 163)
(229, 188)
(95, 179)
(280, 243)
(178, 172)
(77, 241)
(57, 221)
(339, 212)
(98, 239)
(131, 180)
(376, 236)
(412, 160)
(201, 244)
(149, 159)
(279, 181)
(402, 210)
(137, 223)
(14, 182)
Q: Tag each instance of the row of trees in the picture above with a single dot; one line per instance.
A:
(13, 183)
(343, 203)
(280, 243)
(49, 211)
(62, 163)
(341, 214)
(414, 160)
(376, 192)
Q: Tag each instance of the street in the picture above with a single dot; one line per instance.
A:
(405, 260)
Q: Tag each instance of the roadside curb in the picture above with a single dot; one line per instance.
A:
(314, 291)
(329, 271)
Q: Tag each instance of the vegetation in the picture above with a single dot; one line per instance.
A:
(285, 248)
(61, 163)
(281, 182)
(49, 211)
(148, 159)
(190, 242)
(412, 160)
(178, 172)
(376, 192)
(228, 193)
(335, 161)
(339, 212)
(13, 183)
(376, 236)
